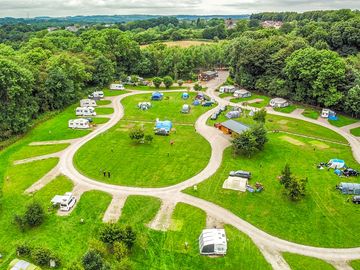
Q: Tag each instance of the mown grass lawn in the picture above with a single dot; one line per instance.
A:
(103, 111)
(298, 262)
(355, 264)
(32, 151)
(113, 93)
(169, 108)
(355, 131)
(166, 250)
(323, 212)
(100, 120)
(288, 109)
(259, 104)
(103, 102)
(147, 165)
(311, 114)
(153, 88)
(343, 121)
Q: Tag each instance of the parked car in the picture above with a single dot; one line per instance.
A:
(240, 173)
(214, 116)
(207, 104)
(356, 199)
(223, 108)
(350, 172)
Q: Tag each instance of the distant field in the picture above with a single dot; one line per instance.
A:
(183, 43)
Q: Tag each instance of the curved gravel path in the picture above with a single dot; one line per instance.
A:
(271, 246)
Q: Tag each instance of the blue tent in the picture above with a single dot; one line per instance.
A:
(157, 96)
(167, 125)
(196, 102)
(184, 95)
(338, 172)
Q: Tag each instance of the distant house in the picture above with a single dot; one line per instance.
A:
(213, 242)
(208, 75)
(72, 28)
(230, 23)
(279, 103)
(272, 24)
(242, 93)
(51, 29)
(232, 127)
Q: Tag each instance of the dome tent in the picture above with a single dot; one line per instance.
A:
(185, 96)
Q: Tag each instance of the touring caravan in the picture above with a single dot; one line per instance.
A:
(97, 95)
(79, 123)
(213, 242)
(85, 111)
(116, 86)
(88, 103)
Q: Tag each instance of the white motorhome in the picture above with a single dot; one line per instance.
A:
(66, 201)
(117, 86)
(213, 242)
(227, 89)
(88, 103)
(85, 111)
(79, 123)
(97, 95)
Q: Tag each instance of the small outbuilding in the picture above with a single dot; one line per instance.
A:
(79, 123)
(85, 111)
(144, 106)
(279, 103)
(232, 127)
(242, 93)
(213, 242)
(17, 264)
(117, 86)
(88, 103)
(208, 75)
(157, 96)
(162, 127)
(236, 183)
(227, 89)
(336, 163)
(185, 96)
(349, 188)
(185, 108)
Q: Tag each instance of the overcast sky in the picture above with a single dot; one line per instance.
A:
(56, 8)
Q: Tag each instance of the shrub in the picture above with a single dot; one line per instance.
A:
(260, 116)
(157, 82)
(149, 139)
(98, 246)
(42, 256)
(137, 134)
(34, 214)
(250, 141)
(120, 250)
(20, 222)
(295, 188)
(23, 249)
(168, 81)
(112, 233)
(197, 87)
(180, 82)
(92, 260)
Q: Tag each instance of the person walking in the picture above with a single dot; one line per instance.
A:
(109, 174)
(104, 172)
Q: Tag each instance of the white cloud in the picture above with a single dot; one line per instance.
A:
(20, 8)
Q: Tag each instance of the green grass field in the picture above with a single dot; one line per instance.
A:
(169, 108)
(323, 207)
(100, 120)
(355, 264)
(298, 262)
(343, 121)
(29, 151)
(103, 102)
(103, 111)
(355, 131)
(311, 114)
(166, 250)
(153, 88)
(288, 109)
(260, 104)
(165, 164)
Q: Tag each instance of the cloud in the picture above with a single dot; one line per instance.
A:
(19, 8)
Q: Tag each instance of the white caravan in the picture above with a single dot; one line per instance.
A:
(88, 103)
(79, 123)
(85, 111)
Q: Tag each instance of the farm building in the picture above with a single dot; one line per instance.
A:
(85, 111)
(232, 127)
(349, 188)
(207, 75)
(88, 103)
(185, 108)
(227, 89)
(97, 95)
(79, 123)
(157, 96)
(213, 242)
(279, 103)
(242, 93)
(17, 264)
(185, 96)
(163, 127)
(117, 86)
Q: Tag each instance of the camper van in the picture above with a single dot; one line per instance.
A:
(85, 111)
(213, 242)
(97, 95)
(66, 201)
(88, 103)
(79, 123)
(116, 86)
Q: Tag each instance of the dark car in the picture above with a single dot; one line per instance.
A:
(356, 199)
(240, 173)
(207, 104)
(350, 172)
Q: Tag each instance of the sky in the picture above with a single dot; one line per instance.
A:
(59, 8)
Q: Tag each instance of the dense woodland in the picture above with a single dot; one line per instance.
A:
(313, 58)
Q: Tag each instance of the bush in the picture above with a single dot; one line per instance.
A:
(168, 81)
(98, 246)
(157, 82)
(42, 256)
(149, 139)
(23, 250)
(260, 116)
(197, 87)
(250, 141)
(295, 188)
(34, 214)
(20, 222)
(120, 250)
(180, 82)
(112, 233)
(92, 260)
(137, 134)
